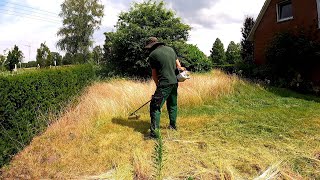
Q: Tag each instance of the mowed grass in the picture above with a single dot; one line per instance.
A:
(228, 129)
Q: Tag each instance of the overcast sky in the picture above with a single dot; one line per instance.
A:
(27, 23)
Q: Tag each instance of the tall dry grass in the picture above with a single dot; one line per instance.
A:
(94, 140)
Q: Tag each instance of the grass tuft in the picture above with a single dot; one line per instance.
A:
(158, 156)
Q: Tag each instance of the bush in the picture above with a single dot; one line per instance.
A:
(25, 96)
(291, 58)
(192, 57)
(227, 68)
(29, 64)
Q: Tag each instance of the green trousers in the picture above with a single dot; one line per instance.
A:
(169, 94)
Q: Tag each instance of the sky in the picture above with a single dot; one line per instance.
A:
(28, 23)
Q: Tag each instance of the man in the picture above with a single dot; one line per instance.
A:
(163, 62)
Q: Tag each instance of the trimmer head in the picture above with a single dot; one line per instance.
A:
(134, 116)
(137, 116)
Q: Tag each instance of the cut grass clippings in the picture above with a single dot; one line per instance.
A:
(228, 129)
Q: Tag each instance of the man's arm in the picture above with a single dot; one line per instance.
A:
(179, 65)
(155, 76)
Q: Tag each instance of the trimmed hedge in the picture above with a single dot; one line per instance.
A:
(24, 97)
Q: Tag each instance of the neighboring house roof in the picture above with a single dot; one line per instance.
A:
(258, 20)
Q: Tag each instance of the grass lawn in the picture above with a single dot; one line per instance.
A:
(228, 129)
(256, 128)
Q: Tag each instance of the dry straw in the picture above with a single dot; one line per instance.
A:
(94, 139)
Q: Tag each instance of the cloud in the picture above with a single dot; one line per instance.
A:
(212, 13)
(191, 10)
(26, 26)
(211, 19)
(111, 13)
(42, 23)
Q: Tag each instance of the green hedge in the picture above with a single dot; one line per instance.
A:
(24, 97)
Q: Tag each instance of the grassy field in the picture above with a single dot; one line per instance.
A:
(228, 129)
(19, 71)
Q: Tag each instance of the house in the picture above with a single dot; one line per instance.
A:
(282, 15)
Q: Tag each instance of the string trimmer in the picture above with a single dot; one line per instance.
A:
(137, 116)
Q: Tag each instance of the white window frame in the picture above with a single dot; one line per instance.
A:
(278, 11)
(318, 8)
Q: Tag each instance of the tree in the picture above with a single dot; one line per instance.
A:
(80, 19)
(218, 55)
(233, 53)
(14, 57)
(124, 49)
(31, 64)
(56, 57)
(192, 57)
(44, 56)
(68, 59)
(247, 46)
(97, 54)
(2, 61)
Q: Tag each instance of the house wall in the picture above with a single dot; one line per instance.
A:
(305, 15)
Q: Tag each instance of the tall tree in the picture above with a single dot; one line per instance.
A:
(56, 57)
(2, 59)
(124, 49)
(247, 46)
(68, 59)
(31, 64)
(2, 62)
(233, 53)
(44, 57)
(97, 54)
(218, 55)
(14, 57)
(80, 19)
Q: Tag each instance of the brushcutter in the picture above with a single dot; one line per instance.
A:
(181, 77)
(137, 116)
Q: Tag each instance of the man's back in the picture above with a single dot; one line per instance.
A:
(163, 59)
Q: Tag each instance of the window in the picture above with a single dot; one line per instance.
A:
(318, 7)
(284, 11)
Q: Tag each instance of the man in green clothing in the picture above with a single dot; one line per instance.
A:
(163, 62)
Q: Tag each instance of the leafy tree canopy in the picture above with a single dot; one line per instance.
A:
(2, 59)
(14, 57)
(80, 19)
(44, 56)
(73, 58)
(124, 49)
(31, 64)
(97, 54)
(56, 57)
(192, 57)
(233, 53)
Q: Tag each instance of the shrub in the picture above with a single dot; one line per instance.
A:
(192, 57)
(25, 96)
(291, 58)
